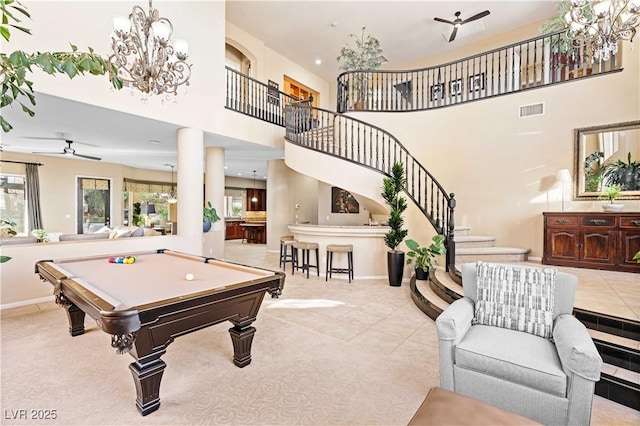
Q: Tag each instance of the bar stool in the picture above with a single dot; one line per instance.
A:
(306, 257)
(286, 241)
(339, 248)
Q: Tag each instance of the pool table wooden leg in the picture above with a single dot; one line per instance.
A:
(76, 319)
(242, 338)
(147, 378)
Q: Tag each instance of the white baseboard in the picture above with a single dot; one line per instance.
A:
(26, 302)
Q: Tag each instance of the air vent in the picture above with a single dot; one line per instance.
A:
(531, 110)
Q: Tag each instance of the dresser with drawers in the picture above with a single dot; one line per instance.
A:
(592, 240)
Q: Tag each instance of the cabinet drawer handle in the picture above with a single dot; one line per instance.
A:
(562, 221)
(635, 222)
(598, 221)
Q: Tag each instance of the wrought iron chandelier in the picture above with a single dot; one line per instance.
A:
(602, 24)
(145, 55)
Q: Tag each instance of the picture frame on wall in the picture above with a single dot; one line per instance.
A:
(476, 82)
(436, 91)
(273, 93)
(455, 87)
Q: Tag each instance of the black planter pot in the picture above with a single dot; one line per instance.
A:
(395, 267)
(421, 274)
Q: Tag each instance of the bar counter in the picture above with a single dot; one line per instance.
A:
(369, 250)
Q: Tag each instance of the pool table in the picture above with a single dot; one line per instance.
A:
(147, 304)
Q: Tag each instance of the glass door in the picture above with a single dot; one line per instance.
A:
(94, 208)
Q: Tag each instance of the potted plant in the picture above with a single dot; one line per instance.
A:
(636, 257)
(6, 228)
(392, 186)
(625, 175)
(562, 49)
(209, 217)
(365, 54)
(423, 258)
(612, 193)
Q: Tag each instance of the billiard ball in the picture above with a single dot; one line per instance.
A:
(189, 277)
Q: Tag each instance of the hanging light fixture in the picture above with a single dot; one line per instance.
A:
(254, 199)
(173, 197)
(145, 55)
(602, 24)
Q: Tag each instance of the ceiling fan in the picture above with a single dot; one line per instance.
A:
(67, 150)
(459, 22)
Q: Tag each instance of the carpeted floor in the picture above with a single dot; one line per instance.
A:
(324, 354)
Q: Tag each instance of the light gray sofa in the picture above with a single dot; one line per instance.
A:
(550, 381)
(18, 240)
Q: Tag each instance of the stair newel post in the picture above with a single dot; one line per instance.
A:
(451, 244)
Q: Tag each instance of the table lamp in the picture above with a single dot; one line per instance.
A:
(563, 176)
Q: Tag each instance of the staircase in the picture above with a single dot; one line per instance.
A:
(617, 339)
(471, 248)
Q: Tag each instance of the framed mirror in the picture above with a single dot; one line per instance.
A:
(605, 156)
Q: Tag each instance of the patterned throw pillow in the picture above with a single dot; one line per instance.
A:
(517, 298)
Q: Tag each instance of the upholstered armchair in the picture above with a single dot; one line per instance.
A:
(550, 380)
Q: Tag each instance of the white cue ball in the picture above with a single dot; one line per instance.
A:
(189, 277)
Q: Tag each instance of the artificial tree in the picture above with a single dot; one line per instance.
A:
(392, 187)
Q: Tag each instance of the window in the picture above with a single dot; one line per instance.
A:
(94, 208)
(138, 193)
(13, 204)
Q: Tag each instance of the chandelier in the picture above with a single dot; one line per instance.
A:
(602, 24)
(172, 198)
(145, 55)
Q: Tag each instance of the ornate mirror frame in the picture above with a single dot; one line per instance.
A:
(601, 155)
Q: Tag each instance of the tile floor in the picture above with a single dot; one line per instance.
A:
(375, 316)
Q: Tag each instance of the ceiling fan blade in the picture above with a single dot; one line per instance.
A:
(48, 153)
(453, 34)
(476, 16)
(88, 157)
(58, 139)
(443, 20)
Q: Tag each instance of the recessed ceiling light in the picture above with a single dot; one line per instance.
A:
(334, 24)
(153, 142)
(318, 61)
(239, 174)
(225, 167)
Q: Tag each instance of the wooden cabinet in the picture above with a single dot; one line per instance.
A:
(592, 240)
(260, 204)
(234, 230)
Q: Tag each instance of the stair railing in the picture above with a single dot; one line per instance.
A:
(249, 96)
(533, 63)
(369, 146)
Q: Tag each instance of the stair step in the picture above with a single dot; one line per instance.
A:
(461, 230)
(469, 241)
(491, 254)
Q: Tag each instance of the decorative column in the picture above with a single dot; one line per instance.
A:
(214, 182)
(190, 191)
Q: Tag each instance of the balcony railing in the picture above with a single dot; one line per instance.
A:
(526, 65)
(249, 96)
(369, 146)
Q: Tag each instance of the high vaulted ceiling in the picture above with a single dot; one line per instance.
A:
(302, 31)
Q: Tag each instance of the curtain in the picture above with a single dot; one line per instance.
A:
(33, 197)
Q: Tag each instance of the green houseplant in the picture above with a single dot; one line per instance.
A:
(612, 193)
(364, 54)
(625, 175)
(636, 257)
(424, 258)
(16, 65)
(7, 228)
(392, 187)
(209, 216)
